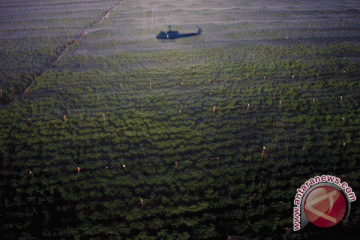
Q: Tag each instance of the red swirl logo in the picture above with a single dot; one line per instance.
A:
(325, 206)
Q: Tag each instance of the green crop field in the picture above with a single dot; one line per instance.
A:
(109, 133)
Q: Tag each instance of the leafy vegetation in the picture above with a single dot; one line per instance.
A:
(200, 143)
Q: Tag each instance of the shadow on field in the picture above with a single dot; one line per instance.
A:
(175, 34)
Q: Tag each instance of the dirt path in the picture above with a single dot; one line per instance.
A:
(74, 41)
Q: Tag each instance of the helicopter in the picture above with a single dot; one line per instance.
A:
(175, 34)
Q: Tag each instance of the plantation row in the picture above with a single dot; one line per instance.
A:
(284, 58)
(202, 70)
(68, 151)
(179, 198)
(32, 44)
(277, 35)
(224, 100)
